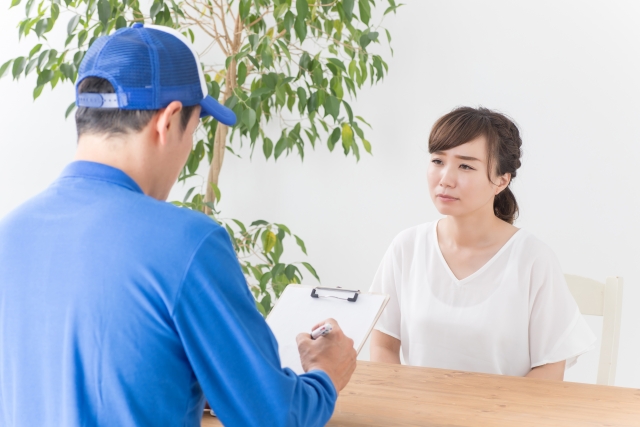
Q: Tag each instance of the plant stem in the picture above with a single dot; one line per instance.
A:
(220, 138)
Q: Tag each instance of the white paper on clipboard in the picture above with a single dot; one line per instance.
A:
(297, 311)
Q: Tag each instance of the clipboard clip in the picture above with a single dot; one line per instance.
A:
(352, 299)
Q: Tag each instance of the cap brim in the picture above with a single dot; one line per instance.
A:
(211, 107)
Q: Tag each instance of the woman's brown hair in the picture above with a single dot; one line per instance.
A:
(503, 147)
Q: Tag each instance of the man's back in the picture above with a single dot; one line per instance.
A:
(100, 320)
(86, 269)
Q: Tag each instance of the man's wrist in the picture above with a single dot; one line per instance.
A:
(319, 372)
(318, 367)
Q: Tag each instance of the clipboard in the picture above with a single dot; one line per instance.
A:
(300, 307)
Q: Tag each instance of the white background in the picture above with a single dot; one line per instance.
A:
(567, 72)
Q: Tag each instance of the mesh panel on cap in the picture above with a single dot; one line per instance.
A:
(127, 59)
(177, 66)
(89, 60)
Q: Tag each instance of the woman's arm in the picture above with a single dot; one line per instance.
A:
(384, 348)
(550, 371)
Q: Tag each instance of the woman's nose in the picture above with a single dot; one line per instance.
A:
(448, 178)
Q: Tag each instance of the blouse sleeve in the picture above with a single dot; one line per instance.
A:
(385, 282)
(557, 330)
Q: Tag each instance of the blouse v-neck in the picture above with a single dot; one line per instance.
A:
(479, 271)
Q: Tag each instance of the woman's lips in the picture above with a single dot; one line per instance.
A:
(446, 198)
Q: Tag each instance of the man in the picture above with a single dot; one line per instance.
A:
(119, 309)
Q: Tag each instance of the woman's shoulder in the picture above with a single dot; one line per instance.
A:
(413, 235)
(530, 246)
(410, 243)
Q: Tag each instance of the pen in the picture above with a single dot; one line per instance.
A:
(322, 330)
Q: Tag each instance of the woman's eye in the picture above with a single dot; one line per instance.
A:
(466, 167)
(436, 161)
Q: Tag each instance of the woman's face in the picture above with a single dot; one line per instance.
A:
(458, 180)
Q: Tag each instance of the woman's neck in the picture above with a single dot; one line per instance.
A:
(476, 230)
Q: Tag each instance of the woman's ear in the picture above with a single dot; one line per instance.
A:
(502, 182)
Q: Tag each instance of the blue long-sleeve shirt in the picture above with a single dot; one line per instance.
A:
(120, 310)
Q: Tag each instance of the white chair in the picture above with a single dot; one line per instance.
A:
(601, 299)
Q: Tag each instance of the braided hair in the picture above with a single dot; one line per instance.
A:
(504, 147)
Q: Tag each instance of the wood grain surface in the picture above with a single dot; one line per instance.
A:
(394, 395)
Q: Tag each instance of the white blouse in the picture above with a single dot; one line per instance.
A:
(513, 314)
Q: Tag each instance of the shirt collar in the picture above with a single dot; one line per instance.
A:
(100, 172)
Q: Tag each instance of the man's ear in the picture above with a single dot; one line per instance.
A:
(168, 121)
(503, 182)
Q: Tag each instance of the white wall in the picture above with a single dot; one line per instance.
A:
(566, 71)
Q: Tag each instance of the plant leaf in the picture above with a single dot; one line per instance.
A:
(267, 147)
(268, 240)
(281, 145)
(302, 8)
(121, 23)
(35, 49)
(347, 137)
(253, 41)
(70, 108)
(216, 191)
(155, 8)
(267, 58)
(367, 146)
(266, 303)
(37, 91)
(311, 270)
(18, 66)
(264, 280)
(44, 77)
(82, 37)
(5, 67)
(283, 228)
(244, 8)
(261, 309)
(242, 73)
(249, 118)
(285, 49)
(301, 28)
(393, 8)
(365, 11)
(364, 41)
(290, 271)
(244, 230)
(104, 11)
(277, 271)
(73, 23)
(337, 63)
(41, 27)
(332, 106)
(301, 244)
(334, 138)
(347, 7)
(302, 99)
(186, 196)
(30, 66)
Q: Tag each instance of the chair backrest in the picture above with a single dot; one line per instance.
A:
(601, 299)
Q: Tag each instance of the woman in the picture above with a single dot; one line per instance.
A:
(471, 291)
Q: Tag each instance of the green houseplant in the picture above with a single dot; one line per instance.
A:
(289, 63)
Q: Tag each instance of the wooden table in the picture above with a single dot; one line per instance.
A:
(394, 395)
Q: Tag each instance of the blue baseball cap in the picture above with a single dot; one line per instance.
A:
(149, 67)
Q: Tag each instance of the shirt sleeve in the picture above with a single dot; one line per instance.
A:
(233, 352)
(386, 282)
(557, 330)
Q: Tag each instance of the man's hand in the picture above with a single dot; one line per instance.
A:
(332, 353)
